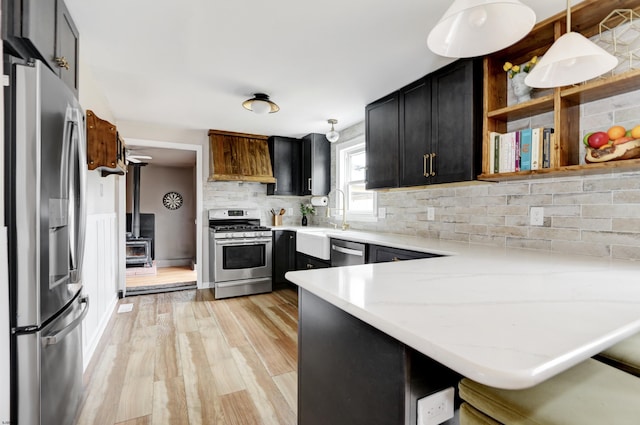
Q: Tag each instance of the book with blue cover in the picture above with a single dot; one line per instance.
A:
(525, 149)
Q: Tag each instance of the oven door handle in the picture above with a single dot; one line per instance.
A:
(243, 242)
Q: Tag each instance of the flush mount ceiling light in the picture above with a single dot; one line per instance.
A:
(478, 27)
(571, 59)
(260, 104)
(333, 135)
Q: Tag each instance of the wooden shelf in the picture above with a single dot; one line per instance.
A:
(564, 103)
(603, 88)
(569, 170)
(523, 110)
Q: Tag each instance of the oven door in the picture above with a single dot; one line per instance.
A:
(240, 259)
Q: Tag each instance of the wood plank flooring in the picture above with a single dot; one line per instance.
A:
(185, 358)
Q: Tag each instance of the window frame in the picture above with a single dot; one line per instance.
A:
(343, 151)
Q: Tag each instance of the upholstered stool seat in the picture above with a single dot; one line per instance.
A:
(624, 355)
(591, 393)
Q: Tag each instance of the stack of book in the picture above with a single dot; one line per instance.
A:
(522, 150)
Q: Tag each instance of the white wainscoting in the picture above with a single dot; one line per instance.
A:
(100, 275)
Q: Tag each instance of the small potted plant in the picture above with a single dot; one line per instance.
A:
(306, 209)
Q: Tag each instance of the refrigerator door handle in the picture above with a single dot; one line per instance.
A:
(59, 336)
(77, 152)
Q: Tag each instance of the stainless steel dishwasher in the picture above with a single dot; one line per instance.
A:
(345, 253)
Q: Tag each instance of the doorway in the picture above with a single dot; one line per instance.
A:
(162, 197)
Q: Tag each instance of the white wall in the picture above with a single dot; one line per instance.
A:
(101, 272)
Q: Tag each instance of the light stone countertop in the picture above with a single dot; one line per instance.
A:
(507, 318)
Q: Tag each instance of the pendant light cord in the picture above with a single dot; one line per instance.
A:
(568, 15)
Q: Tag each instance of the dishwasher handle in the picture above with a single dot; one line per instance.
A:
(347, 251)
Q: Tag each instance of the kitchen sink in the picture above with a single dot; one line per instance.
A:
(313, 242)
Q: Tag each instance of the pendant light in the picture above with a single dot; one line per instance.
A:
(571, 59)
(260, 104)
(333, 135)
(478, 27)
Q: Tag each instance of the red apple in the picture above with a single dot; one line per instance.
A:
(598, 139)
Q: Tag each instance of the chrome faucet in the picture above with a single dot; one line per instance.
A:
(345, 226)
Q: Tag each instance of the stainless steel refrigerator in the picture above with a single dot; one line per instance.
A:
(45, 217)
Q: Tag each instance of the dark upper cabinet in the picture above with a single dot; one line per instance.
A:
(285, 155)
(382, 133)
(316, 165)
(429, 131)
(284, 254)
(300, 166)
(415, 133)
(456, 93)
(42, 29)
(67, 47)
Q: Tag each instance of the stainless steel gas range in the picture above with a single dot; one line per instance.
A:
(240, 253)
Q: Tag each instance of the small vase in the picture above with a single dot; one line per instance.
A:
(520, 89)
(304, 220)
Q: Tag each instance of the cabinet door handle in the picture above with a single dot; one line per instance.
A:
(432, 173)
(309, 183)
(62, 62)
(424, 164)
(275, 188)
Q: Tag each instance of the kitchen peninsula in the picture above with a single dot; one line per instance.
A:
(507, 318)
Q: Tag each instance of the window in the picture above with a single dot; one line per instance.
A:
(351, 174)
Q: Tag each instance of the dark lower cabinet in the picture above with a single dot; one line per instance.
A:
(284, 256)
(385, 254)
(350, 373)
(305, 262)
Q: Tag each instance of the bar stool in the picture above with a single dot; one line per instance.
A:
(590, 393)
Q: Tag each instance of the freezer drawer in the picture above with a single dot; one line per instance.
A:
(50, 369)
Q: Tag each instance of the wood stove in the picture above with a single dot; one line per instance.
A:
(139, 252)
(138, 249)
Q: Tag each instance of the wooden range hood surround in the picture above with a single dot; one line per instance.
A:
(239, 157)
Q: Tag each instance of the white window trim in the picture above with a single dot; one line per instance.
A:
(341, 149)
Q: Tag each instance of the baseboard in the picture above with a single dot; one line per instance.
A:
(88, 353)
(178, 262)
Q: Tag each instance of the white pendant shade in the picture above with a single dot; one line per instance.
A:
(478, 27)
(570, 60)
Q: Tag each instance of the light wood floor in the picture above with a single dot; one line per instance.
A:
(164, 276)
(185, 358)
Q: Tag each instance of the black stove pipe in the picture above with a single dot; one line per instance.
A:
(135, 209)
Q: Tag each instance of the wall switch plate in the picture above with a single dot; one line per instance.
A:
(536, 216)
(431, 213)
(290, 211)
(382, 212)
(436, 408)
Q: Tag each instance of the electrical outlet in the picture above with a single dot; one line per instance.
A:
(431, 213)
(436, 408)
(536, 216)
(289, 211)
(382, 212)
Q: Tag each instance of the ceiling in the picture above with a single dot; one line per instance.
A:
(189, 64)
